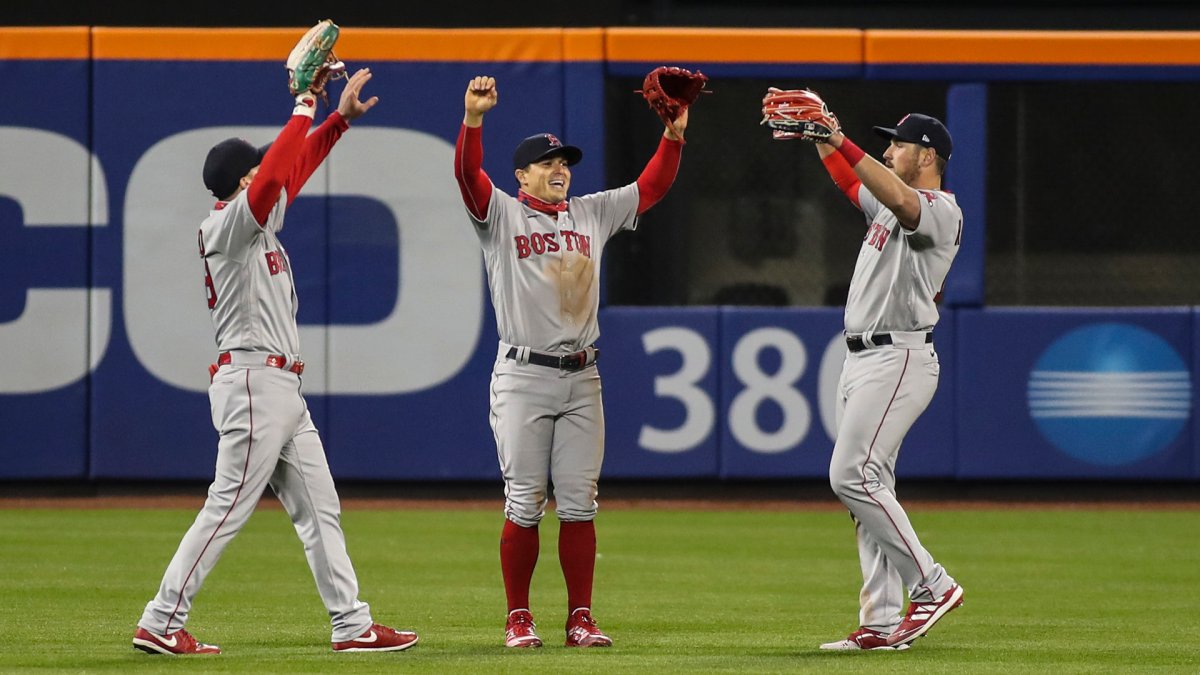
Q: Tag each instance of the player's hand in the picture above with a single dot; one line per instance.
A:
(350, 106)
(674, 130)
(481, 97)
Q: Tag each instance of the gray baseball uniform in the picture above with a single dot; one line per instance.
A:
(543, 257)
(884, 387)
(544, 275)
(267, 436)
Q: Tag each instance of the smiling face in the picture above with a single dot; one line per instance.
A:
(547, 179)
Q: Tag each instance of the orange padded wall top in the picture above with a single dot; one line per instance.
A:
(356, 44)
(751, 45)
(194, 44)
(45, 43)
(1096, 48)
(656, 45)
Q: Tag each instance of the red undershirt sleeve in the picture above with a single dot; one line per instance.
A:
(316, 149)
(276, 165)
(659, 174)
(473, 182)
(843, 176)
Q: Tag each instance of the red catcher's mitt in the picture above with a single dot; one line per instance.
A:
(670, 90)
(798, 113)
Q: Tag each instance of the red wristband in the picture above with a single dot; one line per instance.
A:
(851, 152)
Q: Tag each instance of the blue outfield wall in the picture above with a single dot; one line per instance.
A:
(106, 335)
(46, 223)
(1076, 393)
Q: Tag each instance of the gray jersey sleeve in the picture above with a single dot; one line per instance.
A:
(870, 205)
(940, 223)
(614, 210)
(235, 233)
(492, 227)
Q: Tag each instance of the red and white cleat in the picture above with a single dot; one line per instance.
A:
(582, 630)
(922, 615)
(863, 639)
(518, 630)
(174, 644)
(378, 638)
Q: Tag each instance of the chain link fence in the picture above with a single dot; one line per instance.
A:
(1087, 204)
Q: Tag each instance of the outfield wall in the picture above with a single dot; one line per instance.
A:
(106, 336)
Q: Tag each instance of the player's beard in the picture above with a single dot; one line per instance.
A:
(907, 172)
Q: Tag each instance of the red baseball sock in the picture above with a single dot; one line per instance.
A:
(518, 556)
(577, 555)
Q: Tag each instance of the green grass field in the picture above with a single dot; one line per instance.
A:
(1063, 591)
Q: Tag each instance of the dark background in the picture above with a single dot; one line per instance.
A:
(1096, 14)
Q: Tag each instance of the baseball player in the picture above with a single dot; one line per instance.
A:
(266, 434)
(891, 369)
(542, 252)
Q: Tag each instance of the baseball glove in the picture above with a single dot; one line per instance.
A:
(798, 113)
(670, 90)
(312, 63)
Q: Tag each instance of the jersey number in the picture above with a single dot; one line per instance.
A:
(209, 289)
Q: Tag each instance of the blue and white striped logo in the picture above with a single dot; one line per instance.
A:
(1110, 394)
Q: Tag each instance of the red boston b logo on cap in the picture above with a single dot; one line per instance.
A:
(538, 146)
(922, 129)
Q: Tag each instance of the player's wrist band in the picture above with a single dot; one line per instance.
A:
(306, 104)
(850, 151)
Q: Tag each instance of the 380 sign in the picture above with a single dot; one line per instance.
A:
(730, 391)
(752, 387)
(740, 392)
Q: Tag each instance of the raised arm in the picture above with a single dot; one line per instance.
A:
(803, 114)
(473, 182)
(841, 172)
(321, 141)
(887, 187)
(660, 171)
(281, 156)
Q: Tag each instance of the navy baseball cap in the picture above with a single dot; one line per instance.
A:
(539, 146)
(227, 162)
(922, 130)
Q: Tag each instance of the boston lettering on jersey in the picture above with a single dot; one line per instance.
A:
(877, 236)
(276, 262)
(540, 243)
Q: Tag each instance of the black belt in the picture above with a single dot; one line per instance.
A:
(856, 344)
(570, 362)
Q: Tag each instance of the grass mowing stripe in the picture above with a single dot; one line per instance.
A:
(1071, 591)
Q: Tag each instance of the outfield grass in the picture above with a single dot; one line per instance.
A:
(1061, 591)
